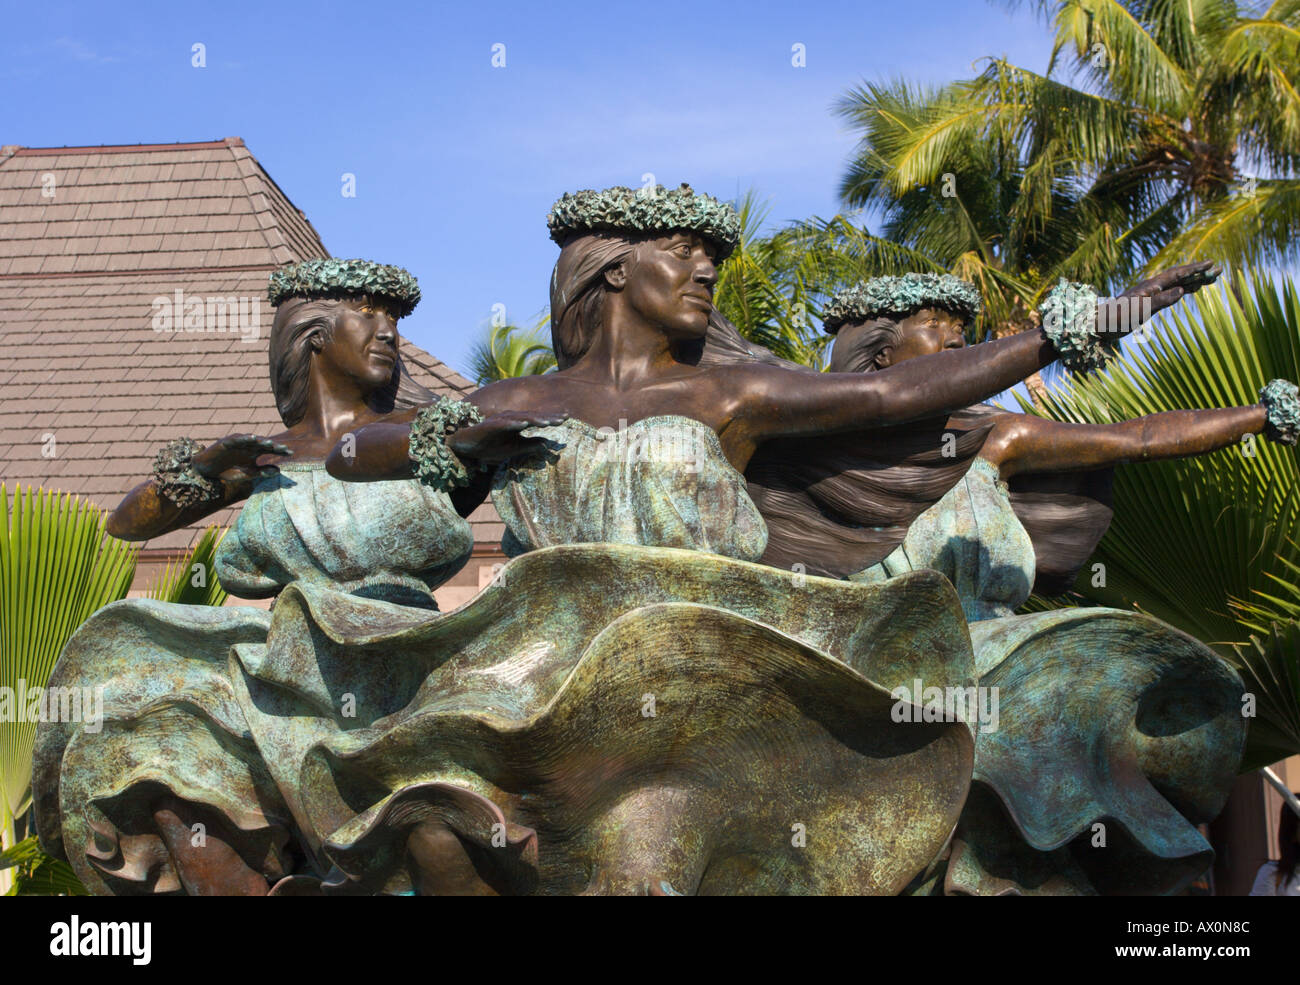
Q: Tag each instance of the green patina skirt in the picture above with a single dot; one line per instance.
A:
(601, 719)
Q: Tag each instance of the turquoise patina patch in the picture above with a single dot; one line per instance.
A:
(1281, 400)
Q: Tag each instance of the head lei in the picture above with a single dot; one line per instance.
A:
(645, 210)
(337, 279)
(900, 297)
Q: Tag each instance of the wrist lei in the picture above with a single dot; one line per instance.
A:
(1069, 315)
(1281, 400)
(177, 480)
(435, 464)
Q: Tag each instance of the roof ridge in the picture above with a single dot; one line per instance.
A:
(21, 151)
(432, 369)
(150, 272)
(252, 170)
(248, 169)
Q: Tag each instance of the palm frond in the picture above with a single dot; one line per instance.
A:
(57, 566)
(1192, 537)
(1270, 668)
(1259, 225)
(1117, 51)
(191, 579)
(507, 351)
(36, 874)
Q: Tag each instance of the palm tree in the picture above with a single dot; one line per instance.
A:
(509, 350)
(946, 191)
(1125, 162)
(1208, 544)
(772, 286)
(57, 566)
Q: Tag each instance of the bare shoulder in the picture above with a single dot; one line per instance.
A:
(1010, 433)
(758, 374)
(510, 394)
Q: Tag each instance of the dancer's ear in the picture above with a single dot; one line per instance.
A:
(616, 276)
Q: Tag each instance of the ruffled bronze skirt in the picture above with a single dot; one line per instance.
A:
(602, 719)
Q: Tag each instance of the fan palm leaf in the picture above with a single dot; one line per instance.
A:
(1208, 544)
(1271, 673)
(190, 580)
(57, 566)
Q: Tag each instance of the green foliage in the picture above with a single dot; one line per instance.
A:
(509, 350)
(37, 874)
(772, 287)
(57, 566)
(1271, 671)
(1161, 131)
(191, 580)
(1208, 543)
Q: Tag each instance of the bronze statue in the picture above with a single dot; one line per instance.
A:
(355, 741)
(633, 706)
(334, 365)
(840, 506)
(630, 313)
(1071, 673)
(609, 290)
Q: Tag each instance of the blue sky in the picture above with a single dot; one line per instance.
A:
(457, 162)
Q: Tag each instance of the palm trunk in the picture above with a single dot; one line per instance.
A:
(1037, 389)
(1022, 320)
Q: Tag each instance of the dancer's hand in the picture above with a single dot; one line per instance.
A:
(497, 438)
(233, 459)
(1164, 290)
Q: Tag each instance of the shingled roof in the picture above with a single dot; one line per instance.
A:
(89, 238)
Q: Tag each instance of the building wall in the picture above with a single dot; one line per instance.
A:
(1245, 834)
(1289, 772)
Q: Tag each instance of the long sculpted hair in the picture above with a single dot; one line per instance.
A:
(289, 351)
(881, 333)
(578, 291)
(838, 504)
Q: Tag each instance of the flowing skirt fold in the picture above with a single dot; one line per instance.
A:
(602, 719)
(1117, 736)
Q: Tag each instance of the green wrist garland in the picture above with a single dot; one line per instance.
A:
(1070, 322)
(177, 480)
(1281, 400)
(435, 464)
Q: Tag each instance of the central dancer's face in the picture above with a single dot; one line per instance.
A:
(670, 283)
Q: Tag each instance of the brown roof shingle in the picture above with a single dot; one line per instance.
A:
(80, 270)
